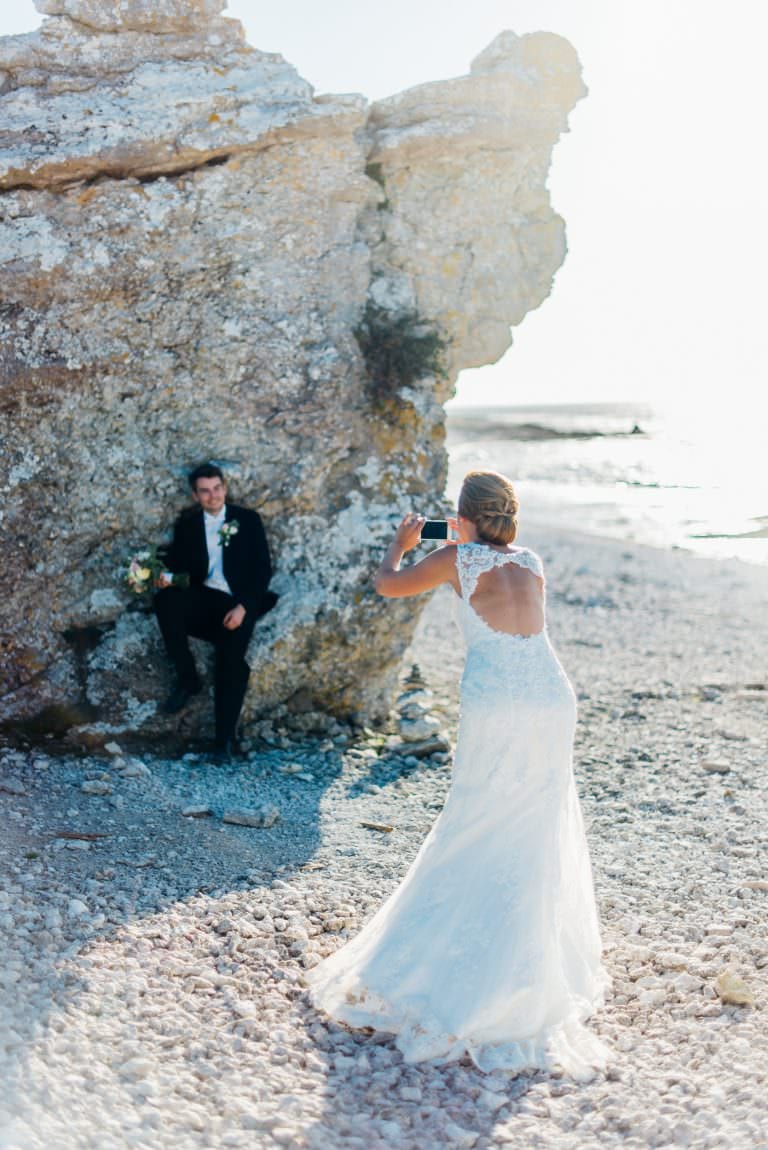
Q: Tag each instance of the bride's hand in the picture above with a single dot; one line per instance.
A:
(408, 534)
(453, 524)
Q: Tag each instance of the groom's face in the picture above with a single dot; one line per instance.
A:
(211, 494)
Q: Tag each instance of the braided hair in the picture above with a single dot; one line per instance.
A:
(488, 500)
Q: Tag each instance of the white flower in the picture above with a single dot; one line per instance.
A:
(227, 530)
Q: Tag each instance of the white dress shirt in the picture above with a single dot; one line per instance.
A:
(213, 525)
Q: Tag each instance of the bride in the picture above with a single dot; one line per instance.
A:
(490, 947)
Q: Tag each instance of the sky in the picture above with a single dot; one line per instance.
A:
(661, 180)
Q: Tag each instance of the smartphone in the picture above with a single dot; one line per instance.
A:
(435, 529)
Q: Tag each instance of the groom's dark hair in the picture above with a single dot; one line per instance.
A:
(205, 471)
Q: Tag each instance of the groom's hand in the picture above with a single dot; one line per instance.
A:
(234, 618)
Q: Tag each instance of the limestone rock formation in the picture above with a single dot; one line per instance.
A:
(196, 249)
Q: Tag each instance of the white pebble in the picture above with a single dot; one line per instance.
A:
(136, 1068)
(96, 787)
(715, 766)
(265, 816)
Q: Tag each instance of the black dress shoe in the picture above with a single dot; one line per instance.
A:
(225, 751)
(178, 698)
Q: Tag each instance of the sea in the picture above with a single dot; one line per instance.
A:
(669, 477)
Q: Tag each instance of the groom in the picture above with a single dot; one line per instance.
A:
(223, 550)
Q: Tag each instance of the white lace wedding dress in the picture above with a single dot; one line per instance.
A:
(490, 946)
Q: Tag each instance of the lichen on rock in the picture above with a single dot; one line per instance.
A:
(190, 241)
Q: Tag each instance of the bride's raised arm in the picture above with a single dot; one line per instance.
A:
(436, 568)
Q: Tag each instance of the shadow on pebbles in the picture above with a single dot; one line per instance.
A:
(158, 914)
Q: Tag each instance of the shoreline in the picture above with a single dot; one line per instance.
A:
(672, 487)
(153, 991)
(541, 524)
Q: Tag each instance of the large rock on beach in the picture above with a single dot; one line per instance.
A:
(202, 259)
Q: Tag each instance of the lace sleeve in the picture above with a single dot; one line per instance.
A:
(530, 560)
(461, 568)
(471, 562)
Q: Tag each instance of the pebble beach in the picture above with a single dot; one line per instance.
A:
(158, 914)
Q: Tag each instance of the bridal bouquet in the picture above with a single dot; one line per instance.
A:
(144, 570)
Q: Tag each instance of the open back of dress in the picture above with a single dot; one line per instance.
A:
(504, 588)
(490, 946)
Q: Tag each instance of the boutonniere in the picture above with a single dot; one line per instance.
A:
(227, 530)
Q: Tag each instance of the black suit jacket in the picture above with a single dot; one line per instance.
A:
(246, 561)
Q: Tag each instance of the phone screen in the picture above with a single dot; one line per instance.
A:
(435, 529)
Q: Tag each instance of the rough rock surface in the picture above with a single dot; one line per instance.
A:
(147, 15)
(189, 240)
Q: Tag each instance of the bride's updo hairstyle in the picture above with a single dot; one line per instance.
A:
(488, 500)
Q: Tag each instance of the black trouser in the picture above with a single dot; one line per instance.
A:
(199, 611)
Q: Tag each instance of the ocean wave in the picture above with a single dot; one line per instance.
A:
(759, 533)
(655, 485)
(485, 429)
